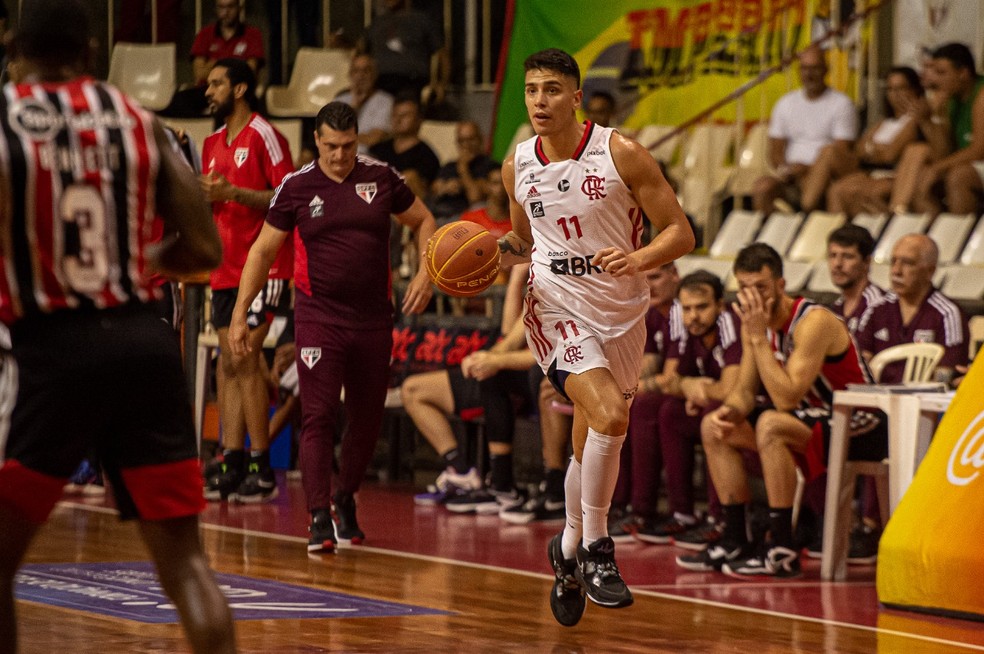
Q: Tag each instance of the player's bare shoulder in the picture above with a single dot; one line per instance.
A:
(632, 161)
(508, 173)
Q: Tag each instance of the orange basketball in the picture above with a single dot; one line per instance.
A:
(462, 258)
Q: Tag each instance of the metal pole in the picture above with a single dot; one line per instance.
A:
(487, 72)
(471, 43)
(325, 24)
(109, 36)
(198, 16)
(153, 21)
(284, 36)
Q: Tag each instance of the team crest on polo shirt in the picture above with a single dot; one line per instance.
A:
(924, 336)
(310, 356)
(239, 156)
(317, 206)
(366, 191)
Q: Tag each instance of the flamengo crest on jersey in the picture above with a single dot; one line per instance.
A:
(577, 207)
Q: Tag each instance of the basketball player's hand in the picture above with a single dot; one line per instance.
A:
(694, 389)
(721, 422)
(615, 262)
(238, 334)
(480, 365)
(418, 294)
(753, 311)
(216, 187)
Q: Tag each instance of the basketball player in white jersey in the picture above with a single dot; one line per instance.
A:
(579, 193)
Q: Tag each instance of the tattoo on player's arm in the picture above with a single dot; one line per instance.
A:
(507, 247)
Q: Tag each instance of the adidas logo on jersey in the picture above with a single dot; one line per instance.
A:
(882, 334)
(532, 193)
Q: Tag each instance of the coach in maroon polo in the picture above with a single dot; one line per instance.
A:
(914, 311)
(339, 208)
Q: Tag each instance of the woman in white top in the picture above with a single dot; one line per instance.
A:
(878, 150)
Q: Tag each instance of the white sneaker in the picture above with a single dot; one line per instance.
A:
(468, 481)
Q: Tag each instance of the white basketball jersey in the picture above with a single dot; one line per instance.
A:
(577, 207)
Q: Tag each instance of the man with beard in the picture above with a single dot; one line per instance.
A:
(798, 352)
(244, 160)
(849, 251)
(700, 370)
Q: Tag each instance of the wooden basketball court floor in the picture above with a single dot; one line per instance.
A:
(491, 579)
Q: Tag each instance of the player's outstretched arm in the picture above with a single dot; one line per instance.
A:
(516, 246)
(418, 218)
(191, 242)
(652, 192)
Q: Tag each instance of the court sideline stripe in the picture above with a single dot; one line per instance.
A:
(540, 575)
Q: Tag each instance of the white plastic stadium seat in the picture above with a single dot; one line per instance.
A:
(900, 225)
(811, 242)
(738, 230)
(973, 252)
(949, 231)
(291, 129)
(779, 230)
(441, 136)
(962, 282)
(873, 222)
(820, 279)
(196, 128)
(752, 160)
(692, 262)
(318, 76)
(651, 137)
(144, 72)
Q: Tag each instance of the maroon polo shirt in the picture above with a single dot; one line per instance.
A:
(662, 330)
(872, 293)
(341, 241)
(695, 359)
(938, 320)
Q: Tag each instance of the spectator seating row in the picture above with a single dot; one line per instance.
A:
(802, 241)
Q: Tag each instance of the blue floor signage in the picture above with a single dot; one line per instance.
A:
(131, 590)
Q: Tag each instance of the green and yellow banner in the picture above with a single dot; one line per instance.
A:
(664, 61)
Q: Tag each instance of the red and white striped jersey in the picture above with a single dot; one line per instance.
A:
(78, 171)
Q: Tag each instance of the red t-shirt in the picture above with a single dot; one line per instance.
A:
(246, 43)
(259, 159)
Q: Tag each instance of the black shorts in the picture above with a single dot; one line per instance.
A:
(868, 429)
(273, 299)
(109, 382)
(466, 393)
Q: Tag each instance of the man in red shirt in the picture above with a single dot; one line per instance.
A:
(228, 37)
(340, 208)
(243, 162)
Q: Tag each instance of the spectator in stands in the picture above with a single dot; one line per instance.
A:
(405, 151)
(418, 164)
(462, 183)
(914, 312)
(802, 123)
(228, 37)
(494, 216)
(700, 370)
(641, 460)
(798, 352)
(869, 184)
(849, 251)
(373, 106)
(135, 22)
(600, 109)
(410, 51)
(946, 171)
(307, 17)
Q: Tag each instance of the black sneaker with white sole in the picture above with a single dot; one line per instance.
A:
(540, 508)
(322, 532)
(223, 485)
(776, 561)
(567, 595)
(700, 536)
(598, 574)
(713, 557)
(347, 530)
(662, 532)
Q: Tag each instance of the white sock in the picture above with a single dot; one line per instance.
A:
(598, 477)
(572, 500)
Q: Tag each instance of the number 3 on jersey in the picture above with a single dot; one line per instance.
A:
(84, 216)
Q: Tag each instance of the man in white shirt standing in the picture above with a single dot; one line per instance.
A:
(803, 121)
